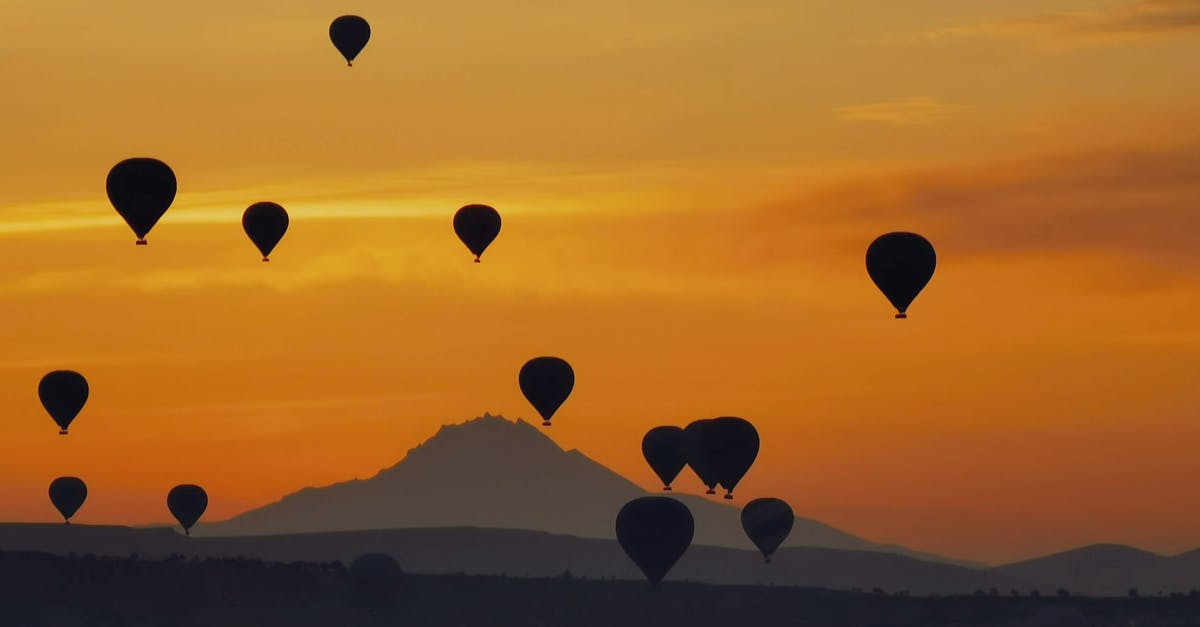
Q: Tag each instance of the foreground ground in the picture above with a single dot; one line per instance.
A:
(40, 589)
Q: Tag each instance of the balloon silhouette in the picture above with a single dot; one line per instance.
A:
(546, 383)
(477, 226)
(767, 523)
(655, 531)
(901, 265)
(663, 449)
(68, 494)
(695, 457)
(729, 445)
(349, 34)
(141, 190)
(265, 223)
(63, 393)
(187, 504)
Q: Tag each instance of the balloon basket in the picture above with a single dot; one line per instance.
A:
(545, 423)
(711, 491)
(902, 316)
(766, 560)
(62, 431)
(666, 488)
(477, 260)
(729, 496)
(265, 259)
(140, 242)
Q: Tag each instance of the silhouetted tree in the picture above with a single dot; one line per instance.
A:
(1063, 592)
(1133, 593)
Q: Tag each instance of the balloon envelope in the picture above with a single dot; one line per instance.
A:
(477, 226)
(729, 445)
(265, 223)
(546, 383)
(349, 34)
(694, 456)
(901, 265)
(68, 494)
(141, 190)
(767, 522)
(655, 531)
(187, 504)
(663, 449)
(63, 393)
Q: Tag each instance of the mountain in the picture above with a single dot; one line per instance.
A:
(518, 553)
(1109, 570)
(494, 473)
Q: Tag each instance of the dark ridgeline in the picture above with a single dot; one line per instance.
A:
(141, 190)
(187, 503)
(901, 265)
(693, 454)
(265, 223)
(477, 226)
(655, 531)
(663, 449)
(63, 393)
(349, 34)
(67, 494)
(767, 523)
(546, 383)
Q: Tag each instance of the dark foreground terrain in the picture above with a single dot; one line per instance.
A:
(65, 591)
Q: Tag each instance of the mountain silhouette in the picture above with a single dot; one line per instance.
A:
(494, 473)
(1110, 570)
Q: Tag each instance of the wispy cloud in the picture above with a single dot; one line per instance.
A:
(1126, 20)
(913, 111)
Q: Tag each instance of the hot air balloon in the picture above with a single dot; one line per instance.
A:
(729, 445)
(349, 34)
(477, 226)
(655, 531)
(68, 494)
(663, 449)
(901, 265)
(693, 454)
(767, 523)
(546, 383)
(187, 504)
(265, 223)
(141, 190)
(63, 393)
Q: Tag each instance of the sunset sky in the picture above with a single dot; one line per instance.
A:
(688, 190)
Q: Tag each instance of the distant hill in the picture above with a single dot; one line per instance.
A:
(498, 474)
(1110, 569)
(519, 553)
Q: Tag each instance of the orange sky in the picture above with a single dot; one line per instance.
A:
(688, 189)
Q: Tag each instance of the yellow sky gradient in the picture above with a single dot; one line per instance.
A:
(688, 189)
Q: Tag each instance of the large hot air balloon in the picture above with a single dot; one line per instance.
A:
(663, 449)
(767, 523)
(349, 34)
(187, 504)
(68, 494)
(265, 223)
(729, 445)
(655, 531)
(694, 456)
(141, 190)
(546, 383)
(901, 265)
(477, 226)
(63, 393)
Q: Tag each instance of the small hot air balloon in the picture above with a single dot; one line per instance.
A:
(265, 223)
(63, 393)
(546, 383)
(68, 494)
(901, 265)
(349, 34)
(187, 504)
(767, 523)
(477, 226)
(655, 531)
(141, 190)
(663, 449)
(730, 446)
(695, 456)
